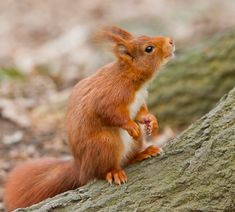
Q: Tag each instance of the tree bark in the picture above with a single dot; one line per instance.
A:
(195, 173)
(190, 85)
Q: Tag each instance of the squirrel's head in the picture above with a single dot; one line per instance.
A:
(143, 53)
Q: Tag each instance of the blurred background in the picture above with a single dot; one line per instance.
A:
(47, 46)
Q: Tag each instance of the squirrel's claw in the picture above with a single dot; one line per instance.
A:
(133, 129)
(116, 176)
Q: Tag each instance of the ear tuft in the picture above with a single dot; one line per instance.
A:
(120, 32)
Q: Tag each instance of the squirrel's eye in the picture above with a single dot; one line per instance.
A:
(149, 49)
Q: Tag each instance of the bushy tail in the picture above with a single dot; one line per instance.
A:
(37, 180)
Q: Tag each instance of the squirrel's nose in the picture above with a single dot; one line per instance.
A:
(171, 41)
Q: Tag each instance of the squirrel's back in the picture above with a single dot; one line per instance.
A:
(37, 180)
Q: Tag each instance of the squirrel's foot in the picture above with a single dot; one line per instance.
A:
(150, 151)
(117, 176)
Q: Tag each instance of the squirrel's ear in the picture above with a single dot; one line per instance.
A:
(121, 40)
(122, 46)
(123, 51)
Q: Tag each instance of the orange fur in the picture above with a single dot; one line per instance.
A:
(147, 153)
(98, 117)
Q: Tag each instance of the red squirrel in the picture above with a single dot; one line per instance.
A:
(103, 121)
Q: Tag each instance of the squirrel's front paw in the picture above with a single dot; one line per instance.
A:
(133, 129)
(150, 123)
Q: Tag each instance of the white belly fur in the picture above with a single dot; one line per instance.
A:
(134, 108)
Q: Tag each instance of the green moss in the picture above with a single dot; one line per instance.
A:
(10, 73)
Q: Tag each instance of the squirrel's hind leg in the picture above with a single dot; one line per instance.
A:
(150, 151)
(102, 160)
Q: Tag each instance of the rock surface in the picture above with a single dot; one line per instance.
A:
(196, 173)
